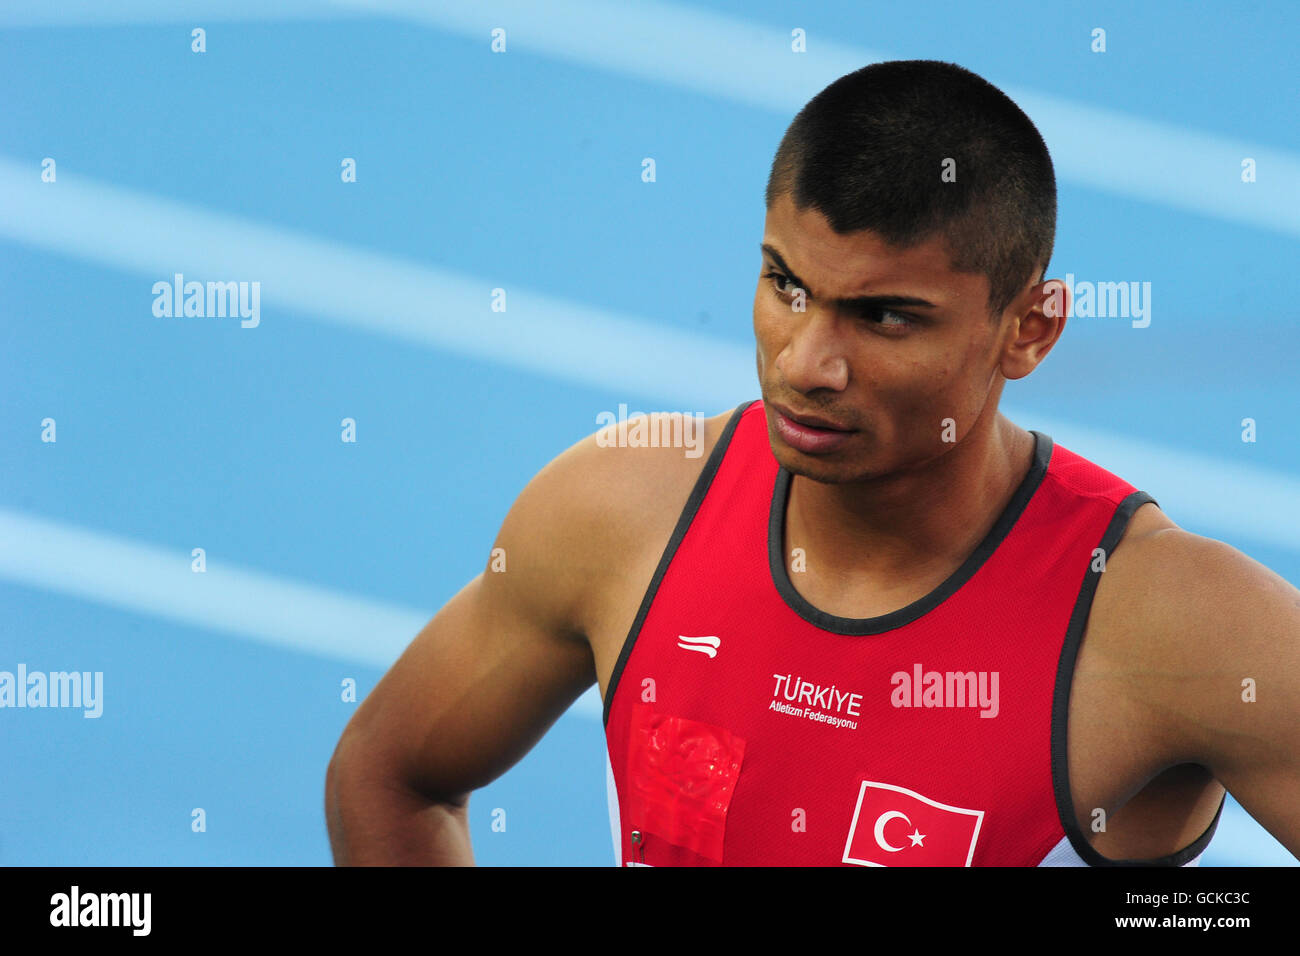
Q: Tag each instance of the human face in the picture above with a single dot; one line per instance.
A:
(890, 346)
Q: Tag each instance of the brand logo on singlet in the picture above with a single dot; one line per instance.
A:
(705, 645)
(894, 826)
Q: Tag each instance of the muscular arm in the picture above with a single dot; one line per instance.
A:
(479, 685)
(1229, 631)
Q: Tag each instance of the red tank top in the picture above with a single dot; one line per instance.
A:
(745, 727)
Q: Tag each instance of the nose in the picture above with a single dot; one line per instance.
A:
(815, 355)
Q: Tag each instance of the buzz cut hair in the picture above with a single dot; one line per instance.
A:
(912, 149)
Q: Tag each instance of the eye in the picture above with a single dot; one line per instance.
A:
(892, 319)
(779, 278)
(881, 318)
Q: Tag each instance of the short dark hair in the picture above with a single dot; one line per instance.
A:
(868, 152)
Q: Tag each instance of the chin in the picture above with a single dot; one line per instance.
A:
(825, 469)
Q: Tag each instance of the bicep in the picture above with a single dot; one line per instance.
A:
(490, 673)
(1240, 687)
(503, 660)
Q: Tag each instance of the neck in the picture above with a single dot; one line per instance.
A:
(912, 524)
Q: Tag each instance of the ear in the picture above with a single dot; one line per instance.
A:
(1039, 319)
(1053, 298)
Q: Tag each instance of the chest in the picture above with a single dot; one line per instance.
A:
(879, 715)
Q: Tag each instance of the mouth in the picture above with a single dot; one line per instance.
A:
(810, 434)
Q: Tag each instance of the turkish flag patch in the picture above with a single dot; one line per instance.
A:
(894, 826)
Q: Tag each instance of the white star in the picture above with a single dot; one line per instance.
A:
(916, 836)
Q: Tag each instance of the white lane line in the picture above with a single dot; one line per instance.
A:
(747, 62)
(327, 281)
(109, 569)
(230, 599)
(549, 336)
(194, 13)
(1234, 501)
(742, 61)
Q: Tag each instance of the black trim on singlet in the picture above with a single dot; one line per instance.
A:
(1061, 710)
(922, 606)
(693, 503)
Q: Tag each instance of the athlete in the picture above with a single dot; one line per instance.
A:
(876, 623)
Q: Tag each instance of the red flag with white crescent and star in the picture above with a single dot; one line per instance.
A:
(894, 826)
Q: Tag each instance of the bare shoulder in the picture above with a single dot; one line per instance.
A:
(588, 517)
(1194, 627)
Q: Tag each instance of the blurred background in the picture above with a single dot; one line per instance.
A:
(224, 691)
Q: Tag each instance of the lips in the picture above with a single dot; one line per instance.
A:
(812, 421)
(810, 434)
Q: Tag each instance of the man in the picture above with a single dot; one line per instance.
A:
(877, 623)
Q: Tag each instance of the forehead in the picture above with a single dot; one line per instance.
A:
(835, 265)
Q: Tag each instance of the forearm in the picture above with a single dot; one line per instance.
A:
(373, 821)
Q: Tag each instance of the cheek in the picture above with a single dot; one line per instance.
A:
(917, 391)
(911, 381)
(951, 398)
(766, 329)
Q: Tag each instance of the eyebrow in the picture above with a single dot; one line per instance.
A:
(861, 302)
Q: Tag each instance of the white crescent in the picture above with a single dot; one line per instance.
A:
(880, 829)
